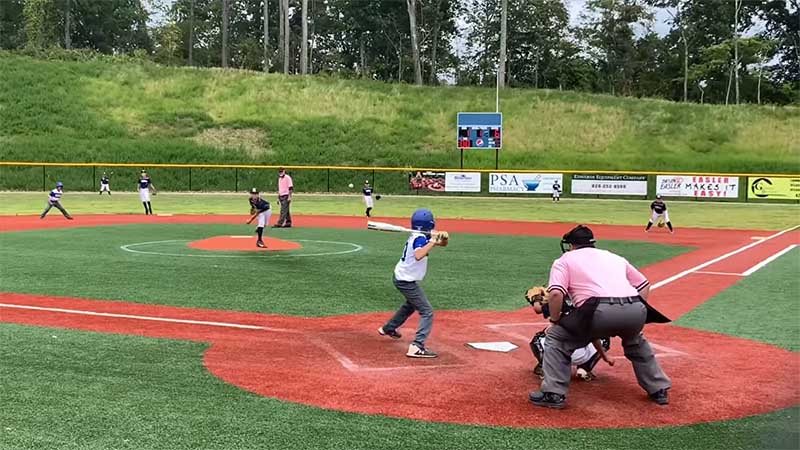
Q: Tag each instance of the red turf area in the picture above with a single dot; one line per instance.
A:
(342, 363)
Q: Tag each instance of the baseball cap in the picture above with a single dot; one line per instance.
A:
(254, 191)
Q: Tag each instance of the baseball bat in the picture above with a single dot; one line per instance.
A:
(382, 226)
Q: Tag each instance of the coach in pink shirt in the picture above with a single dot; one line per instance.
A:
(285, 190)
(609, 297)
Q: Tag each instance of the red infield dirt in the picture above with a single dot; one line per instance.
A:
(342, 363)
(243, 244)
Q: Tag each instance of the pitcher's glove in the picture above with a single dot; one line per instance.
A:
(441, 238)
(536, 294)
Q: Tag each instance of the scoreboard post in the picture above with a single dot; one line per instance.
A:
(479, 131)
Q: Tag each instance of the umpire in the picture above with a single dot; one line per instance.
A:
(609, 295)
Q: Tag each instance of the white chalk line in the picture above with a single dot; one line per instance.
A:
(763, 263)
(680, 275)
(353, 248)
(703, 272)
(148, 318)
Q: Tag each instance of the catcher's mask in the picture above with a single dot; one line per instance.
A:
(580, 236)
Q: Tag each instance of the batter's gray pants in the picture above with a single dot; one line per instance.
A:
(57, 205)
(285, 218)
(623, 320)
(415, 301)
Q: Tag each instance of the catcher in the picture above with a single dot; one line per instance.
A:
(584, 359)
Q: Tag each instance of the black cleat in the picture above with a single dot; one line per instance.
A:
(548, 399)
(260, 244)
(392, 334)
(661, 397)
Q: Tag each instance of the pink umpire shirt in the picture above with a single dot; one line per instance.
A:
(590, 272)
(284, 183)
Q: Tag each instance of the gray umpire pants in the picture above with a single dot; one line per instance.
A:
(56, 205)
(286, 215)
(416, 300)
(623, 320)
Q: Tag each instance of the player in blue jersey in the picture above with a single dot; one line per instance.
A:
(408, 272)
(54, 200)
(105, 184)
(145, 188)
(259, 209)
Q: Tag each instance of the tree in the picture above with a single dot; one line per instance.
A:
(501, 65)
(42, 20)
(286, 33)
(12, 24)
(225, 23)
(412, 22)
(304, 42)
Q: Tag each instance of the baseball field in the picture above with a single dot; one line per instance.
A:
(173, 331)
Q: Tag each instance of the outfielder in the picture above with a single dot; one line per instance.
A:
(659, 214)
(609, 296)
(367, 190)
(583, 359)
(105, 185)
(408, 272)
(556, 192)
(259, 209)
(145, 187)
(54, 200)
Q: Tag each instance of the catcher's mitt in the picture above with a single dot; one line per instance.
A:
(377, 197)
(660, 224)
(252, 211)
(535, 294)
(442, 238)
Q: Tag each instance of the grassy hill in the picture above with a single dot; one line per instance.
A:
(127, 111)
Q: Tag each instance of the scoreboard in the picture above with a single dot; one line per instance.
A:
(480, 130)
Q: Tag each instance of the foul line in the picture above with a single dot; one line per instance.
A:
(763, 263)
(680, 275)
(153, 319)
(731, 274)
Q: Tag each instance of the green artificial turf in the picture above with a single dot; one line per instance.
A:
(768, 297)
(615, 212)
(474, 272)
(79, 390)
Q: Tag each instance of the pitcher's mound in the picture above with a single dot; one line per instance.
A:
(243, 244)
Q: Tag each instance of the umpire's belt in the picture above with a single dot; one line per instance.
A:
(618, 300)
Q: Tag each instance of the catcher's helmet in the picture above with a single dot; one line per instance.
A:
(59, 184)
(580, 236)
(422, 220)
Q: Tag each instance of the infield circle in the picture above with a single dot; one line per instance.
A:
(349, 247)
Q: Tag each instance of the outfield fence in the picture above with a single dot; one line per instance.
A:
(742, 187)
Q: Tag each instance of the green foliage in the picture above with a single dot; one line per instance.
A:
(42, 22)
(112, 109)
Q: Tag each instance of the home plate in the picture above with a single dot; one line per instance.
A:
(503, 347)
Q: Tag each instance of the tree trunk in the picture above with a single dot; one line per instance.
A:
(758, 90)
(685, 67)
(728, 92)
(281, 30)
(412, 20)
(287, 31)
(738, 4)
(191, 32)
(362, 57)
(267, 62)
(225, 23)
(435, 45)
(67, 34)
(304, 43)
(501, 65)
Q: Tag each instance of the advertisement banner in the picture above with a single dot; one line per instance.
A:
(462, 182)
(699, 186)
(430, 181)
(525, 183)
(773, 188)
(609, 184)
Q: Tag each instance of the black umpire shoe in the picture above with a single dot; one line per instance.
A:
(548, 399)
(661, 397)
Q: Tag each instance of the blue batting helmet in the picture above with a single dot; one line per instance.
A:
(422, 220)
(59, 184)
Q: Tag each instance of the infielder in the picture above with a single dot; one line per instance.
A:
(54, 200)
(105, 185)
(583, 359)
(556, 192)
(145, 186)
(408, 272)
(609, 296)
(259, 209)
(659, 214)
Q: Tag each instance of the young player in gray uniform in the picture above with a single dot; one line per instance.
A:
(408, 272)
(54, 201)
